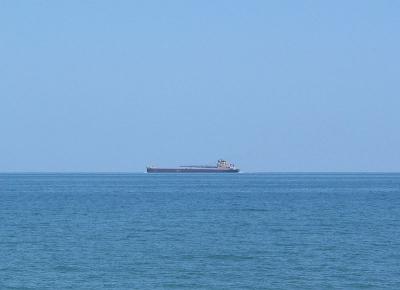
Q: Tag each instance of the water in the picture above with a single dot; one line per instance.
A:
(243, 231)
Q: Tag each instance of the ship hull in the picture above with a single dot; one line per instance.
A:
(191, 170)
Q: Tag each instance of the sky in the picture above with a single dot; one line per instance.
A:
(274, 86)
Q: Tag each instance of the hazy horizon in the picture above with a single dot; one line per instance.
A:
(191, 174)
(270, 86)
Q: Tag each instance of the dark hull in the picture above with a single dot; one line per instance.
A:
(190, 170)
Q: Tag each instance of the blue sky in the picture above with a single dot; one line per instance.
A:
(269, 85)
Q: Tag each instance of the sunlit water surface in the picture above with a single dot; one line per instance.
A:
(200, 231)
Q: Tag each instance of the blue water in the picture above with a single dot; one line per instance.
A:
(239, 231)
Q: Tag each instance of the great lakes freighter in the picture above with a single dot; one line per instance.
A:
(221, 167)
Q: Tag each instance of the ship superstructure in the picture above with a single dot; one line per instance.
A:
(222, 167)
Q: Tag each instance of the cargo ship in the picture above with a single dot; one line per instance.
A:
(221, 167)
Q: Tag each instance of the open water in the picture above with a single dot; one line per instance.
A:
(239, 231)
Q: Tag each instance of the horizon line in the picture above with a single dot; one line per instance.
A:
(242, 172)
